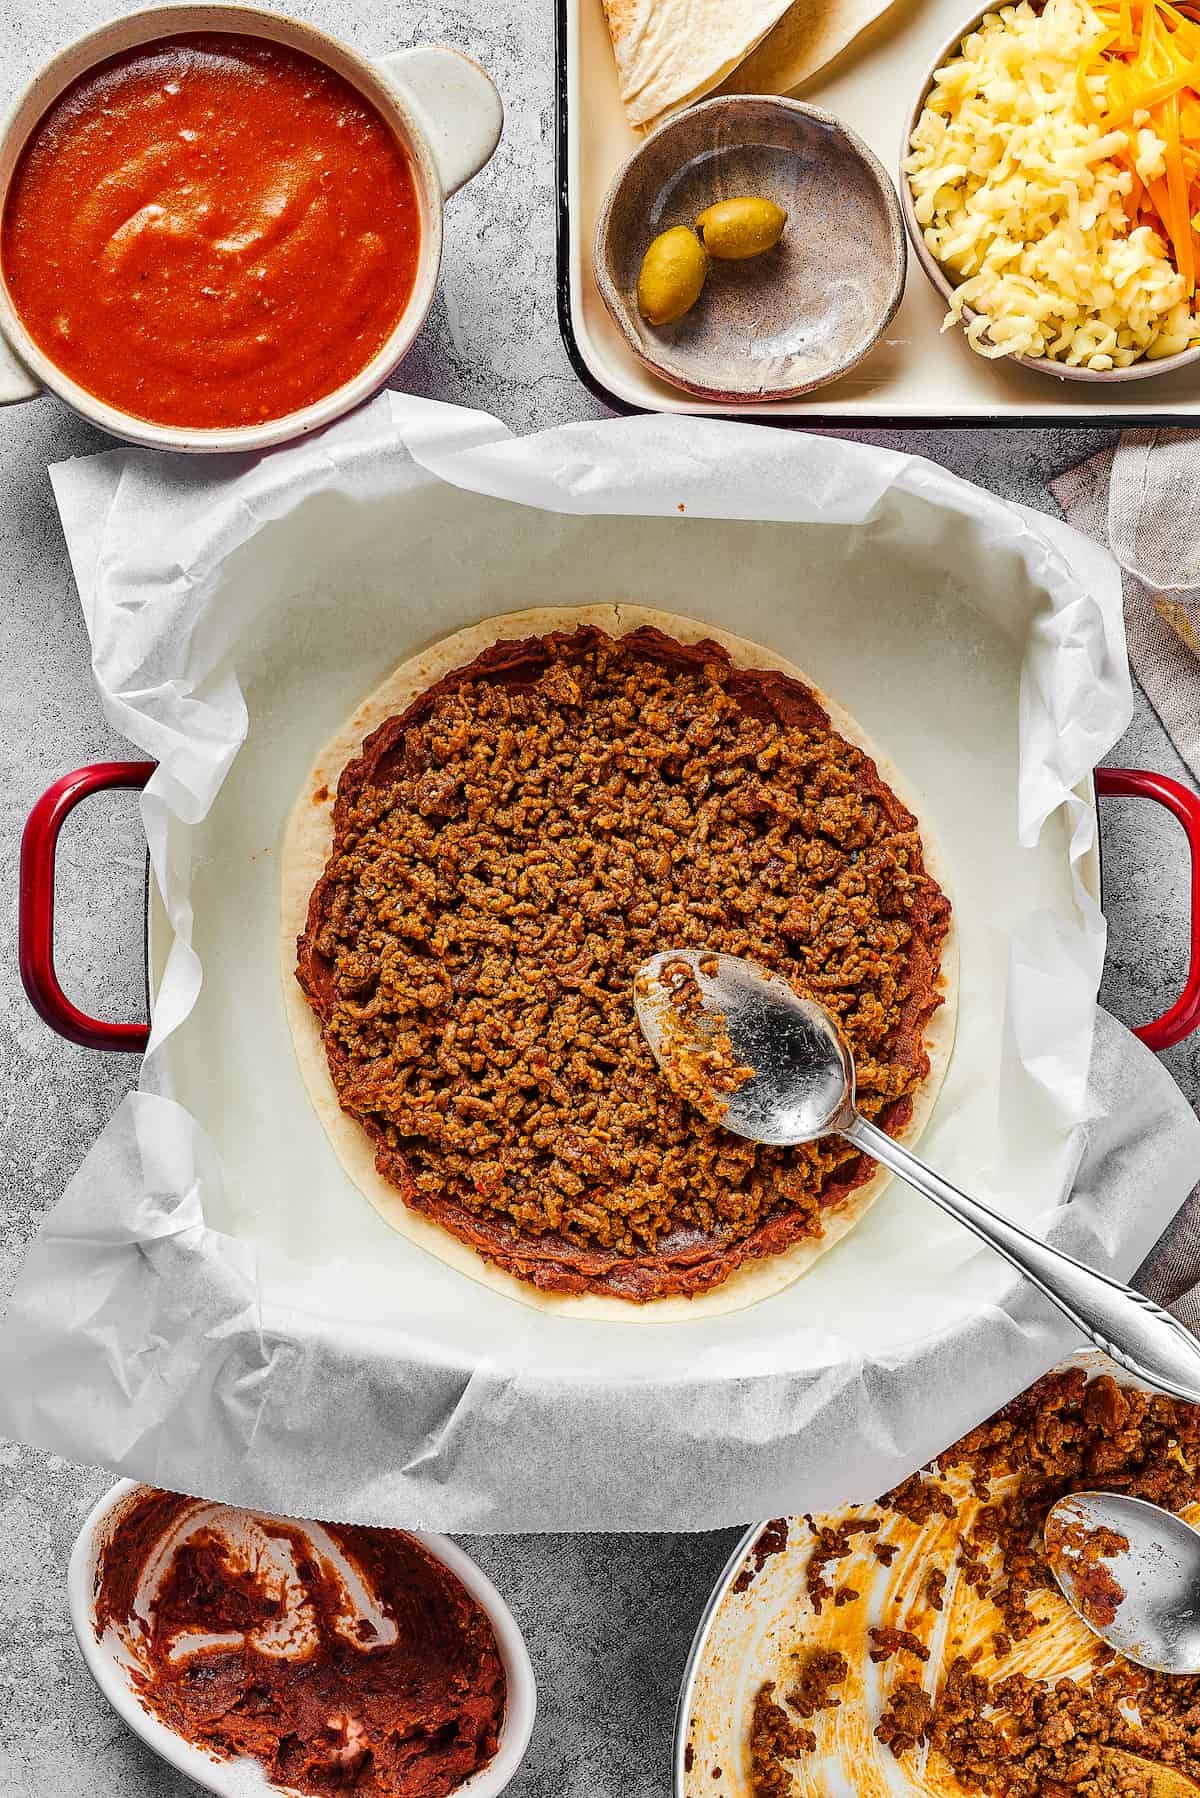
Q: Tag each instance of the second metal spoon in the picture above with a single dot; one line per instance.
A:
(1141, 1592)
(803, 1087)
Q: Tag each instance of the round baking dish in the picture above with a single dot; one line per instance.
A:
(1142, 370)
(748, 1619)
(247, 1778)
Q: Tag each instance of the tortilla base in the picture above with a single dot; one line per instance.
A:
(307, 840)
(670, 54)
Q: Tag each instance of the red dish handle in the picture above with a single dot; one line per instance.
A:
(35, 908)
(1138, 783)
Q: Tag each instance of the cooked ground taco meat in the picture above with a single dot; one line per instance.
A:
(905, 1717)
(831, 1543)
(775, 1738)
(1005, 1733)
(887, 1641)
(771, 1540)
(817, 1673)
(509, 851)
(1078, 1551)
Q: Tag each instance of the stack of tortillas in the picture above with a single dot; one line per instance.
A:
(673, 52)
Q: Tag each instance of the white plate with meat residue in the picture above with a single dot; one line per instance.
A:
(113, 1661)
(761, 1618)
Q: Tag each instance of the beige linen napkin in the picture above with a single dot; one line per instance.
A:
(1171, 1271)
(1143, 500)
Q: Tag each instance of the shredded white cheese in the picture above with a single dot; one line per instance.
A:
(1018, 199)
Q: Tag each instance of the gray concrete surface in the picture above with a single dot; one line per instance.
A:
(608, 1618)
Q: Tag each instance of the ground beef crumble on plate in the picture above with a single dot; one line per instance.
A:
(508, 851)
(1097, 1734)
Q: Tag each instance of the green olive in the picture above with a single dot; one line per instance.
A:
(671, 276)
(735, 229)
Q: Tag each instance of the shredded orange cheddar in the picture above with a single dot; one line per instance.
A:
(1149, 57)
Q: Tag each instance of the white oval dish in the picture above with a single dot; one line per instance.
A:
(246, 1778)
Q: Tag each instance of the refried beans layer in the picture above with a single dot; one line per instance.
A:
(508, 851)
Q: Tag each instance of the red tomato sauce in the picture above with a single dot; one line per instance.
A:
(211, 230)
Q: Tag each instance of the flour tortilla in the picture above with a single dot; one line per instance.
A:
(809, 35)
(307, 842)
(671, 53)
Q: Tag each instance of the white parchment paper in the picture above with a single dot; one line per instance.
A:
(212, 1306)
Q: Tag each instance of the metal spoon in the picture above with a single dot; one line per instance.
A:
(1152, 1613)
(803, 1087)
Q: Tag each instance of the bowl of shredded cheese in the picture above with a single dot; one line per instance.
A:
(1050, 184)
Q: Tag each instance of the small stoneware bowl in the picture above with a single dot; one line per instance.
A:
(443, 108)
(1040, 365)
(110, 1667)
(794, 318)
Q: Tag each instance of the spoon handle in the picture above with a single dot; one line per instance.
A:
(1134, 1331)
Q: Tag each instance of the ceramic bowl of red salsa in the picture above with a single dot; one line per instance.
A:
(221, 228)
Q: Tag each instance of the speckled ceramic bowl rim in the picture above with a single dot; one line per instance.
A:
(618, 309)
(1040, 365)
(246, 1778)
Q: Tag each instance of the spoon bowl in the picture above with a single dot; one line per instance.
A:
(803, 1084)
(1143, 1599)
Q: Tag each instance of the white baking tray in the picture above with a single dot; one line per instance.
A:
(321, 650)
(917, 374)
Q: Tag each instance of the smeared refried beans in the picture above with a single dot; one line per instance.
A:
(344, 1659)
(509, 851)
(1098, 1733)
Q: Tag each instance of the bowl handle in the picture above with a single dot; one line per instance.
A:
(16, 382)
(35, 907)
(456, 104)
(1138, 783)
